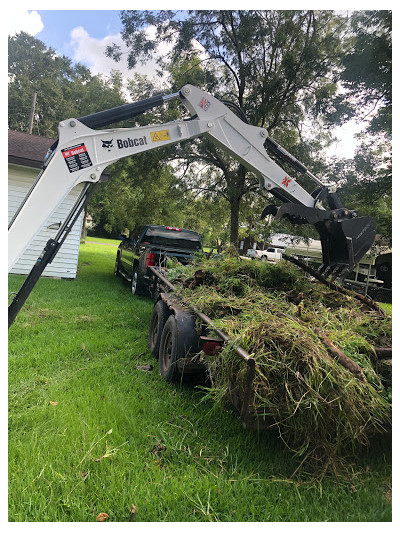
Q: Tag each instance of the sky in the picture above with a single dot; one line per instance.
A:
(82, 35)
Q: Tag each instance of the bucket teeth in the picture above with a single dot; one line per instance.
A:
(337, 271)
(324, 270)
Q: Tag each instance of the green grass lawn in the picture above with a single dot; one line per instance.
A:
(101, 240)
(90, 432)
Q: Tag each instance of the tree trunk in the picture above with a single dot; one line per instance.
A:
(234, 220)
(84, 227)
(235, 181)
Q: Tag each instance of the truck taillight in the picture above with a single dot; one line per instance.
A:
(150, 260)
(211, 347)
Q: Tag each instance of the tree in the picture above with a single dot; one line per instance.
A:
(63, 90)
(138, 194)
(367, 70)
(367, 77)
(280, 67)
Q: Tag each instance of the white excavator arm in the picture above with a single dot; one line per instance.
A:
(82, 153)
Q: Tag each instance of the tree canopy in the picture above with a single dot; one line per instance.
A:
(280, 67)
(366, 180)
(298, 73)
(63, 89)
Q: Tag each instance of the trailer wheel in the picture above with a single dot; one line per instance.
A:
(158, 319)
(168, 353)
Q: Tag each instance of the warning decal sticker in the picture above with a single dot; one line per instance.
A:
(76, 157)
(162, 135)
(204, 104)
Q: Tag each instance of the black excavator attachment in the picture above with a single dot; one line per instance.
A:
(345, 237)
(344, 243)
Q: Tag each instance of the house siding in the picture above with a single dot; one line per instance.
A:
(64, 265)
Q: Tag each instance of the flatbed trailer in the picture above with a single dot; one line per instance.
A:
(178, 338)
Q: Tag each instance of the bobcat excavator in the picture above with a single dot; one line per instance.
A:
(82, 152)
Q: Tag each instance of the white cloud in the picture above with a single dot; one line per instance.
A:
(23, 20)
(91, 52)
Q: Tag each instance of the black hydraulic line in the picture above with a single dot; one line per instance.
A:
(46, 257)
(124, 112)
(239, 111)
(48, 254)
(283, 154)
(76, 210)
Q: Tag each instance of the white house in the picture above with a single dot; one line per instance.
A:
(25, 158)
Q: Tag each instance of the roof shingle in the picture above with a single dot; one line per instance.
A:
(29, 150)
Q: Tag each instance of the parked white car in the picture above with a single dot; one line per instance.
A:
(269, 254)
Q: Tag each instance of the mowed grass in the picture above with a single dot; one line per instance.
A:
(90, 431)
(101, 240)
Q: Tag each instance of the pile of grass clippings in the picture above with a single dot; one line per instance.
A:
(321, 410)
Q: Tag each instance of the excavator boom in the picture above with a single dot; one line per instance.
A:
(82, 153)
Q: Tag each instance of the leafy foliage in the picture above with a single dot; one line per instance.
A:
(63, 90)
(246, 56)
(366, 181)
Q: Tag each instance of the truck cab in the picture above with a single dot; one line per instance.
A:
(153, 248)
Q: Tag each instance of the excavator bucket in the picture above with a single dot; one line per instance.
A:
(344, 243)
(344, 236)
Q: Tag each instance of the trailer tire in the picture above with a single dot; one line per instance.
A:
(159, 317)
(168, 352)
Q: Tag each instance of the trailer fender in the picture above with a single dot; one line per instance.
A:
(179, 342)
(159, 317)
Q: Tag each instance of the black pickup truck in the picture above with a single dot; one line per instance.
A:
(153, 248)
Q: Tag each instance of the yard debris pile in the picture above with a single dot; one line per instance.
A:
(318, 379)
